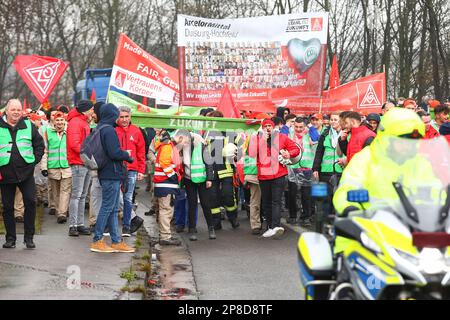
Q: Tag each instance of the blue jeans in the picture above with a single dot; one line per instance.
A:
(108, 214)
(81, 179)
(128, 198)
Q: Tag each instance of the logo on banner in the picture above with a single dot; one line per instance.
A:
(120, 79)
(43, 76)
(316, 24)
(370, 98)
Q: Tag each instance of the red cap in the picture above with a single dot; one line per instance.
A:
(59, 114)
(317, 116)
(266, 122)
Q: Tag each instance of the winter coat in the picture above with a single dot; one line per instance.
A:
(17, 170)
(77, 130)
(269, 167)
(131, 138)
(114, 169)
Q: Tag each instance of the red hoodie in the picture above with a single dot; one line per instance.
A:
(131, 138)
(77, 130)
(269, 167)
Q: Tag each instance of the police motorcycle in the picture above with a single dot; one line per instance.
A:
(398, 249)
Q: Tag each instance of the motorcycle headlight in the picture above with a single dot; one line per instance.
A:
(369, 243)
(432, 261)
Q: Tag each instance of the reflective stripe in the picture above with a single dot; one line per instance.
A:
(6, 145)
(157, 165)
(215, 210)
(157, 173)
(27, 152)
(4, 154)
(197, 166)
(53, 151)
(231, 208)
(53, 158)
(24, 144)
(197, 175)
(167, 185)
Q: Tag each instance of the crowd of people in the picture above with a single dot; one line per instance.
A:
(266, 172)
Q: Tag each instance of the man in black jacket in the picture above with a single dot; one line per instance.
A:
(21, 148)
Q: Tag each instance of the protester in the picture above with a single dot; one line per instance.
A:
(77, 130)
(168, 174)
(131, 139)
(444, 130)
(386, 107)
(110, 176)
(266, 148)
(374, 121)
(441, 113)
(21, 148)
(289, 124)
(55, 166)
(328, 165)
(361, 135)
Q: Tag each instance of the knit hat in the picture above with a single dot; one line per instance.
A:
(266, 122)
(374, 116)
(445, 129)
(84, 105)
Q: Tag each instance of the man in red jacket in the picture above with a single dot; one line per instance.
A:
(77, 130)
(271, 173)
(361, 135)
(130, 138)
(441, 116)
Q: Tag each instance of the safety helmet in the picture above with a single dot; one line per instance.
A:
(229, 150)
(401, 122)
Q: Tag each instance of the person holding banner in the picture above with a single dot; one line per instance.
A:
(21, 147)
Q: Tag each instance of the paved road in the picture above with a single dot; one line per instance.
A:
(238, 265)
(43, 273)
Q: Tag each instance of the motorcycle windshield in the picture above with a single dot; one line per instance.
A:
(422, 168)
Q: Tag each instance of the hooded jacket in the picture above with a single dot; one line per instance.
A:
(77, 130)
(115, 169)
(17, 170)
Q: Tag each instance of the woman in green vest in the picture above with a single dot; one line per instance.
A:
(54, 164)
(328, 164)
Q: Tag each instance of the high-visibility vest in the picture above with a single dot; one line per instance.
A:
(23, 141)
(250, 167)
(168, 177)
(330, 157)
(308, 154)
(57, 152)
(198, 168)
(228, 172)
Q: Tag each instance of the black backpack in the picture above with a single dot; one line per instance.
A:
(92, 153)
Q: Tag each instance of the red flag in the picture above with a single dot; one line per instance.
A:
(144, 101)
(334, 74)
(227, 106)
(41, 74)
(93, 96)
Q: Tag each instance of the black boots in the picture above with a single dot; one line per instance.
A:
(9, 244)
(234, 223)
(29, 243)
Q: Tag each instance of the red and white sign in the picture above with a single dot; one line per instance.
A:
(260, 59)
(138, 72)
(41, 74)
(364, 95)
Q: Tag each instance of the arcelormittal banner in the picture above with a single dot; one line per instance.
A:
(261, 59)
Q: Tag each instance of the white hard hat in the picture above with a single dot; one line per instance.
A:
(229, 150)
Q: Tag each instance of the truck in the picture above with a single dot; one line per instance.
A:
(94, 79)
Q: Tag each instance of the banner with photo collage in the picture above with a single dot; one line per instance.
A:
(263, 60)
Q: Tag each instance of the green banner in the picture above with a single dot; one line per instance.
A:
(119, 99)
(187, 117)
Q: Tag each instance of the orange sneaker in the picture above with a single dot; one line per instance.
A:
(101, 246)
(122, 247)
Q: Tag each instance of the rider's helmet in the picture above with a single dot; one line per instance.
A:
(403, 123)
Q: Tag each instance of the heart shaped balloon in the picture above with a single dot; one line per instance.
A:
(304, 53)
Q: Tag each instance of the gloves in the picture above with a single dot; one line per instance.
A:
(44, 173)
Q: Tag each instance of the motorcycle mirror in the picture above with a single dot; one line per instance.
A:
(358, 196)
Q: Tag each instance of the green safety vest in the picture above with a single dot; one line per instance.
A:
(330, 157)
(250, 167)
(308, 154)
(57, 152)
(198, 168)
(23, 142)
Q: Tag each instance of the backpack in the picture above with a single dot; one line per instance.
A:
(92, 153)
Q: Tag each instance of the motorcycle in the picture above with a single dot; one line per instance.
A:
(399, 247)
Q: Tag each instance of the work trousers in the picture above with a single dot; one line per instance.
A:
(222, 193)
(61, 190)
